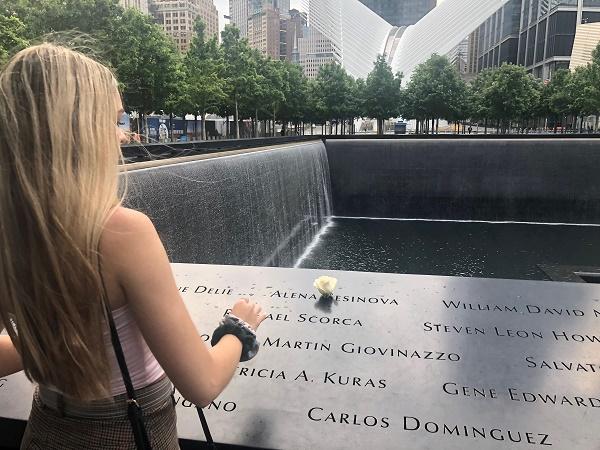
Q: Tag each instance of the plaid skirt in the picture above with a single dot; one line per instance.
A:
(56, 423)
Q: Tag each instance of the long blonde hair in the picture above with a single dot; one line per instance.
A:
(59, 156)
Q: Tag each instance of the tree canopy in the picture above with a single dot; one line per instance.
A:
(381, 93)
(229, 78)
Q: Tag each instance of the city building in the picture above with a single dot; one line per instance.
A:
(142, 5)
(548, 31)
(313, 51)
(498, 37)
(241, 11)
(269, 25)
(264, 31)
(177, 17)
(238, 15)
(473, 53)
(292, 28)
(587, 37)
(400, 13)
(358, 34)
(537, 34)
(458, 57)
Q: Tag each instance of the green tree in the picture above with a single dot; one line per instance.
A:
(354, 105)
(333, 89)
(12, 36)
(559, 97)
(241, 77)
(92, 17)
(435, 91)
(146, 61)
(203, 68)
(382, 93)
(294, 108)
(508, 94)
(583, 93)
(263, 100)
(315, 111)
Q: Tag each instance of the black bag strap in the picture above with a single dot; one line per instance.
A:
(209, 439)
(134, 411)
(116, 343)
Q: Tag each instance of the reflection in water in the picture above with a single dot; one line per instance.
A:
(471, 249)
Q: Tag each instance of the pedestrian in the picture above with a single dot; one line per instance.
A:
(163, 133)
(83, 278)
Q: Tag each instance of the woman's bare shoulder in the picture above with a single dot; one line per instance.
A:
(124, 220)
(126, 233)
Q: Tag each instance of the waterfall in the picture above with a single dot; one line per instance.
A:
(255, 208)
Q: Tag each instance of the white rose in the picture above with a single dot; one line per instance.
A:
(325, 285)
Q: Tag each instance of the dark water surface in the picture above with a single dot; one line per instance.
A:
(470, 249)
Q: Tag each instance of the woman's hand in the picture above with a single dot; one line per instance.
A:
(249, 312)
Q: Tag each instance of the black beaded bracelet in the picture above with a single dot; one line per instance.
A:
(231, 324)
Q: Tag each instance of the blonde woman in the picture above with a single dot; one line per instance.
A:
(64, 240)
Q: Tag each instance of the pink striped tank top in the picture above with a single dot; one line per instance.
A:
(141, 363)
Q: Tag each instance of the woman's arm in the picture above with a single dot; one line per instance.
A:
(138, 259)
(10, 361)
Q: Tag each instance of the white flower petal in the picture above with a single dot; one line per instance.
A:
(325, 285)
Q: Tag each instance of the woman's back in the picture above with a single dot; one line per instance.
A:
(69, 250)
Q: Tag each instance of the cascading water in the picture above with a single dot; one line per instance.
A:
(256, 208)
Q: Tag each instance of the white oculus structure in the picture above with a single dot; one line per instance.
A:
(359, 35)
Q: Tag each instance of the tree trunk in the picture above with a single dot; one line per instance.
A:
(437, 126)
(237, 119)
(137, 121)
(485, 126)
(204, 125)
(145, 126)
(171, 127)
(256, 119)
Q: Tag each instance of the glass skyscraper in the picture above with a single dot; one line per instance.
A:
(537, 34)
(400, 12)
